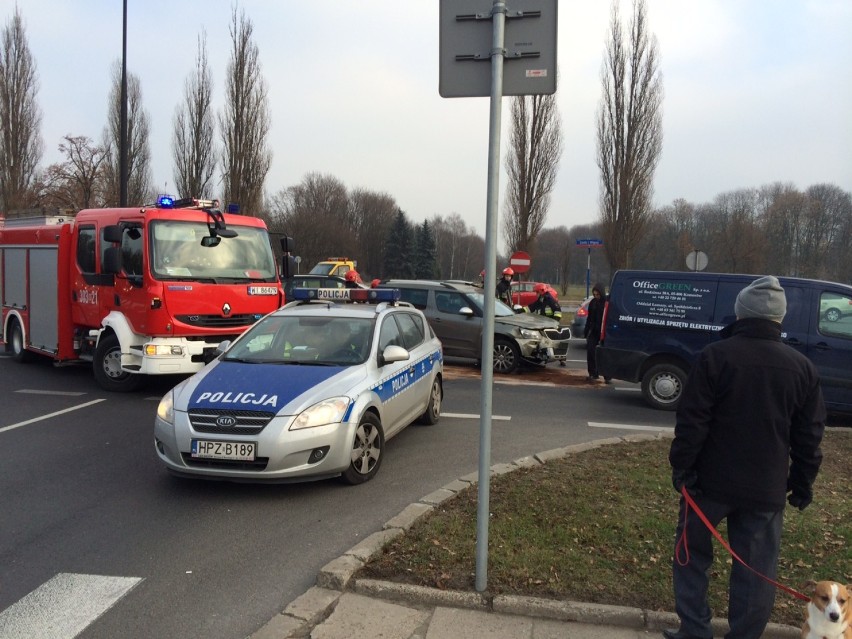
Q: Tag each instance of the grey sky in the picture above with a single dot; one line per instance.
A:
(756, 91)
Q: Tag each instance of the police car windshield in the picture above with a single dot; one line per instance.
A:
(305, 340)
(177, 253)
(500, 309)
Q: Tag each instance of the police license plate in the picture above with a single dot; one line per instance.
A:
(234, 451)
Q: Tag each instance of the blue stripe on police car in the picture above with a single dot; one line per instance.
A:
(390, 387)
(252, 387)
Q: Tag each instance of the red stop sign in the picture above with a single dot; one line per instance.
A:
(520, 261)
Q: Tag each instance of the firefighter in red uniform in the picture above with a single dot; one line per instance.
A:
(353, 280)
(545, 304)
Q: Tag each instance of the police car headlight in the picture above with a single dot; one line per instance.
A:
(328, 411)
(528, 334)
(166, 408)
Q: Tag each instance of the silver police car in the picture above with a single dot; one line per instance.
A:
(312, 390)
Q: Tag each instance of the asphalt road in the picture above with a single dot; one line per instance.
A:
(83, 497)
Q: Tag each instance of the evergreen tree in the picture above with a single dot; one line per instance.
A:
(399, 249)
(425, 250)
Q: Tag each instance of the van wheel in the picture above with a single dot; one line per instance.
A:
(832, 315)
(367, 448)
(107, 368)
(507, 356)
(16, 342)
(662, 386)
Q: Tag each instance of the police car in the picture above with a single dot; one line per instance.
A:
(312, 390)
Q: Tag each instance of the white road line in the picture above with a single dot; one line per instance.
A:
(502, 418)
(631, 389)
(32, 391)
(63, 607)
(629, 426)
(59, 412)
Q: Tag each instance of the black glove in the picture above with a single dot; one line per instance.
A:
(799, 501)
(686, 479)
(800, 496)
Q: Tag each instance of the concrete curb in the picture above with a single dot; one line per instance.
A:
(338, 575)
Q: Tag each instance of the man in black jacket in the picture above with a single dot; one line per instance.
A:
(748, 431)
(592, 330)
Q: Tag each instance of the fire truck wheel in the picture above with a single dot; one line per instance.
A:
(15, 344)
(107, 367)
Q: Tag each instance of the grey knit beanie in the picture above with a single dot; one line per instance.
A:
(763, 298)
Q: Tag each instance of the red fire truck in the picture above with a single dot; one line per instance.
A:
(135, 291)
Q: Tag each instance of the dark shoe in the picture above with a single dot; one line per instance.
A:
(677, 634)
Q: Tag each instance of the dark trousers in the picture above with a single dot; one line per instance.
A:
(756, 537)
(591, 363)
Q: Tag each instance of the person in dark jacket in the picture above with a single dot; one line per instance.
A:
(592, 331)
(748, 432)
(504, 286)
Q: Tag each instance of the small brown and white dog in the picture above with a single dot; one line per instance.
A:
(829, 612)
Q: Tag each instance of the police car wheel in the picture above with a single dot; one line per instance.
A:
(507, 356)
(432, 414)
(107, 367)
(367, 449)
(662, 386)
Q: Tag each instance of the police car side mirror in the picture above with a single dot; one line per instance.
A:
(222, 347)
(467, 311)
(393, 354)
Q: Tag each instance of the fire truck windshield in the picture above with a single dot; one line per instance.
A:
(177, 253)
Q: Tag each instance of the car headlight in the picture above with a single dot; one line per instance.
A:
(166, 408)
(529, 334)
(328, 411)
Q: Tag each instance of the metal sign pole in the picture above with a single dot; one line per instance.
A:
(588, 271)
(498, 19)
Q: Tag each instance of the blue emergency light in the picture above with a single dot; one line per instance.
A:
(166, 202)
(368, 295)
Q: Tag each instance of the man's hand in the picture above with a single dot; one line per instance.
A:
(800, 496)
(686, 479)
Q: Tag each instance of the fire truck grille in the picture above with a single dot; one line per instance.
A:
(229, 422)
(217, 321)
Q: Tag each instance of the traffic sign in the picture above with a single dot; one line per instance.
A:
(466, 45)
(589, 242)
(520, 261)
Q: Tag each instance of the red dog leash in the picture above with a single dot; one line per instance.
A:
(682, 543)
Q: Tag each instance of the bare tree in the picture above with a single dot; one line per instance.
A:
(371, 214)
(139, 189)
(308, 210)
(194, 129)
(245, 121)
(459, 251)
(20, 117)
(629, 133)
(78, 181)
(531, 164)
(554, 257)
